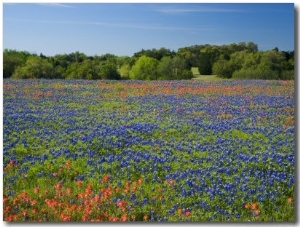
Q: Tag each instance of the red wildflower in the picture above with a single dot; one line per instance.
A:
(84, 217)
(113, 219)
(68, 164)
(5, 199)
(24, 213)
(140, 181)
(36, 190)
(65, 217)
(124, 217)
(187, 213)
(145, 217)
(254, 206)
(79, 183)
(68, 191)
(105, 178)
(33, 202)
(179, 210)
(80, 196)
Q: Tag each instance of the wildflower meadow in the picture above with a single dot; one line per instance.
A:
(172, 151)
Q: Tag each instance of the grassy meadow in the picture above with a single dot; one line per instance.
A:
(200, 150)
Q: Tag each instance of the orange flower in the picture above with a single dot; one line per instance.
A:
(79, 183)
(80, 196)
(33, 202)
(254, 206)
(179, 211)
(124, 217)
(5, 199)
(84, 217)
(24, 213)
(256, 212)
(68, 191)
(140, 180)
(290, 199)
(36, 190)
(105, 178)
(113, 219)
(97, 198)
(68, 164)
(66, 218)
(145, 217)
(133, 188)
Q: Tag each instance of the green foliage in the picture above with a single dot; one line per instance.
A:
(154, 53)
(173, 69)
(205, 63)
(144, 69)
(11, 60)
(287, 75)
(237, 61)
(109, 71)
(35, 67)
(261, 65)
(83, 70)
(124, 71)
(223, 68)
(165, 68)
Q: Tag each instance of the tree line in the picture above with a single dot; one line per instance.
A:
(238, 61)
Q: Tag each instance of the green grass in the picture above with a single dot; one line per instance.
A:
(198, 76)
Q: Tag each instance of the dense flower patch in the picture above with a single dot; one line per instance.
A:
(148, 151)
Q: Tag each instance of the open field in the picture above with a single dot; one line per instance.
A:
(198, 76)
(79, 150)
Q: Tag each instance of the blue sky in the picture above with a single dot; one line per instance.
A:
(126, 28)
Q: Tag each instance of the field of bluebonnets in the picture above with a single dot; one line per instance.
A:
(78, 150)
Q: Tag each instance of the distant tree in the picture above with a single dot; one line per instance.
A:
(154, 53)
(263, 65)
(35, 67)
(252, 47)
(122, 60)
(76, 57)
(83, 70)
(13, 59)
(174, 68)
(251, 60)
(109, 71)
(62, 60)
(165, 68)
(205, 63)
(237, 59)
(223, 68)
(145, 68)
(124, 71)
(241, 60)
(181, 69)
(111, 58)
(191, 54)
(275, 58)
